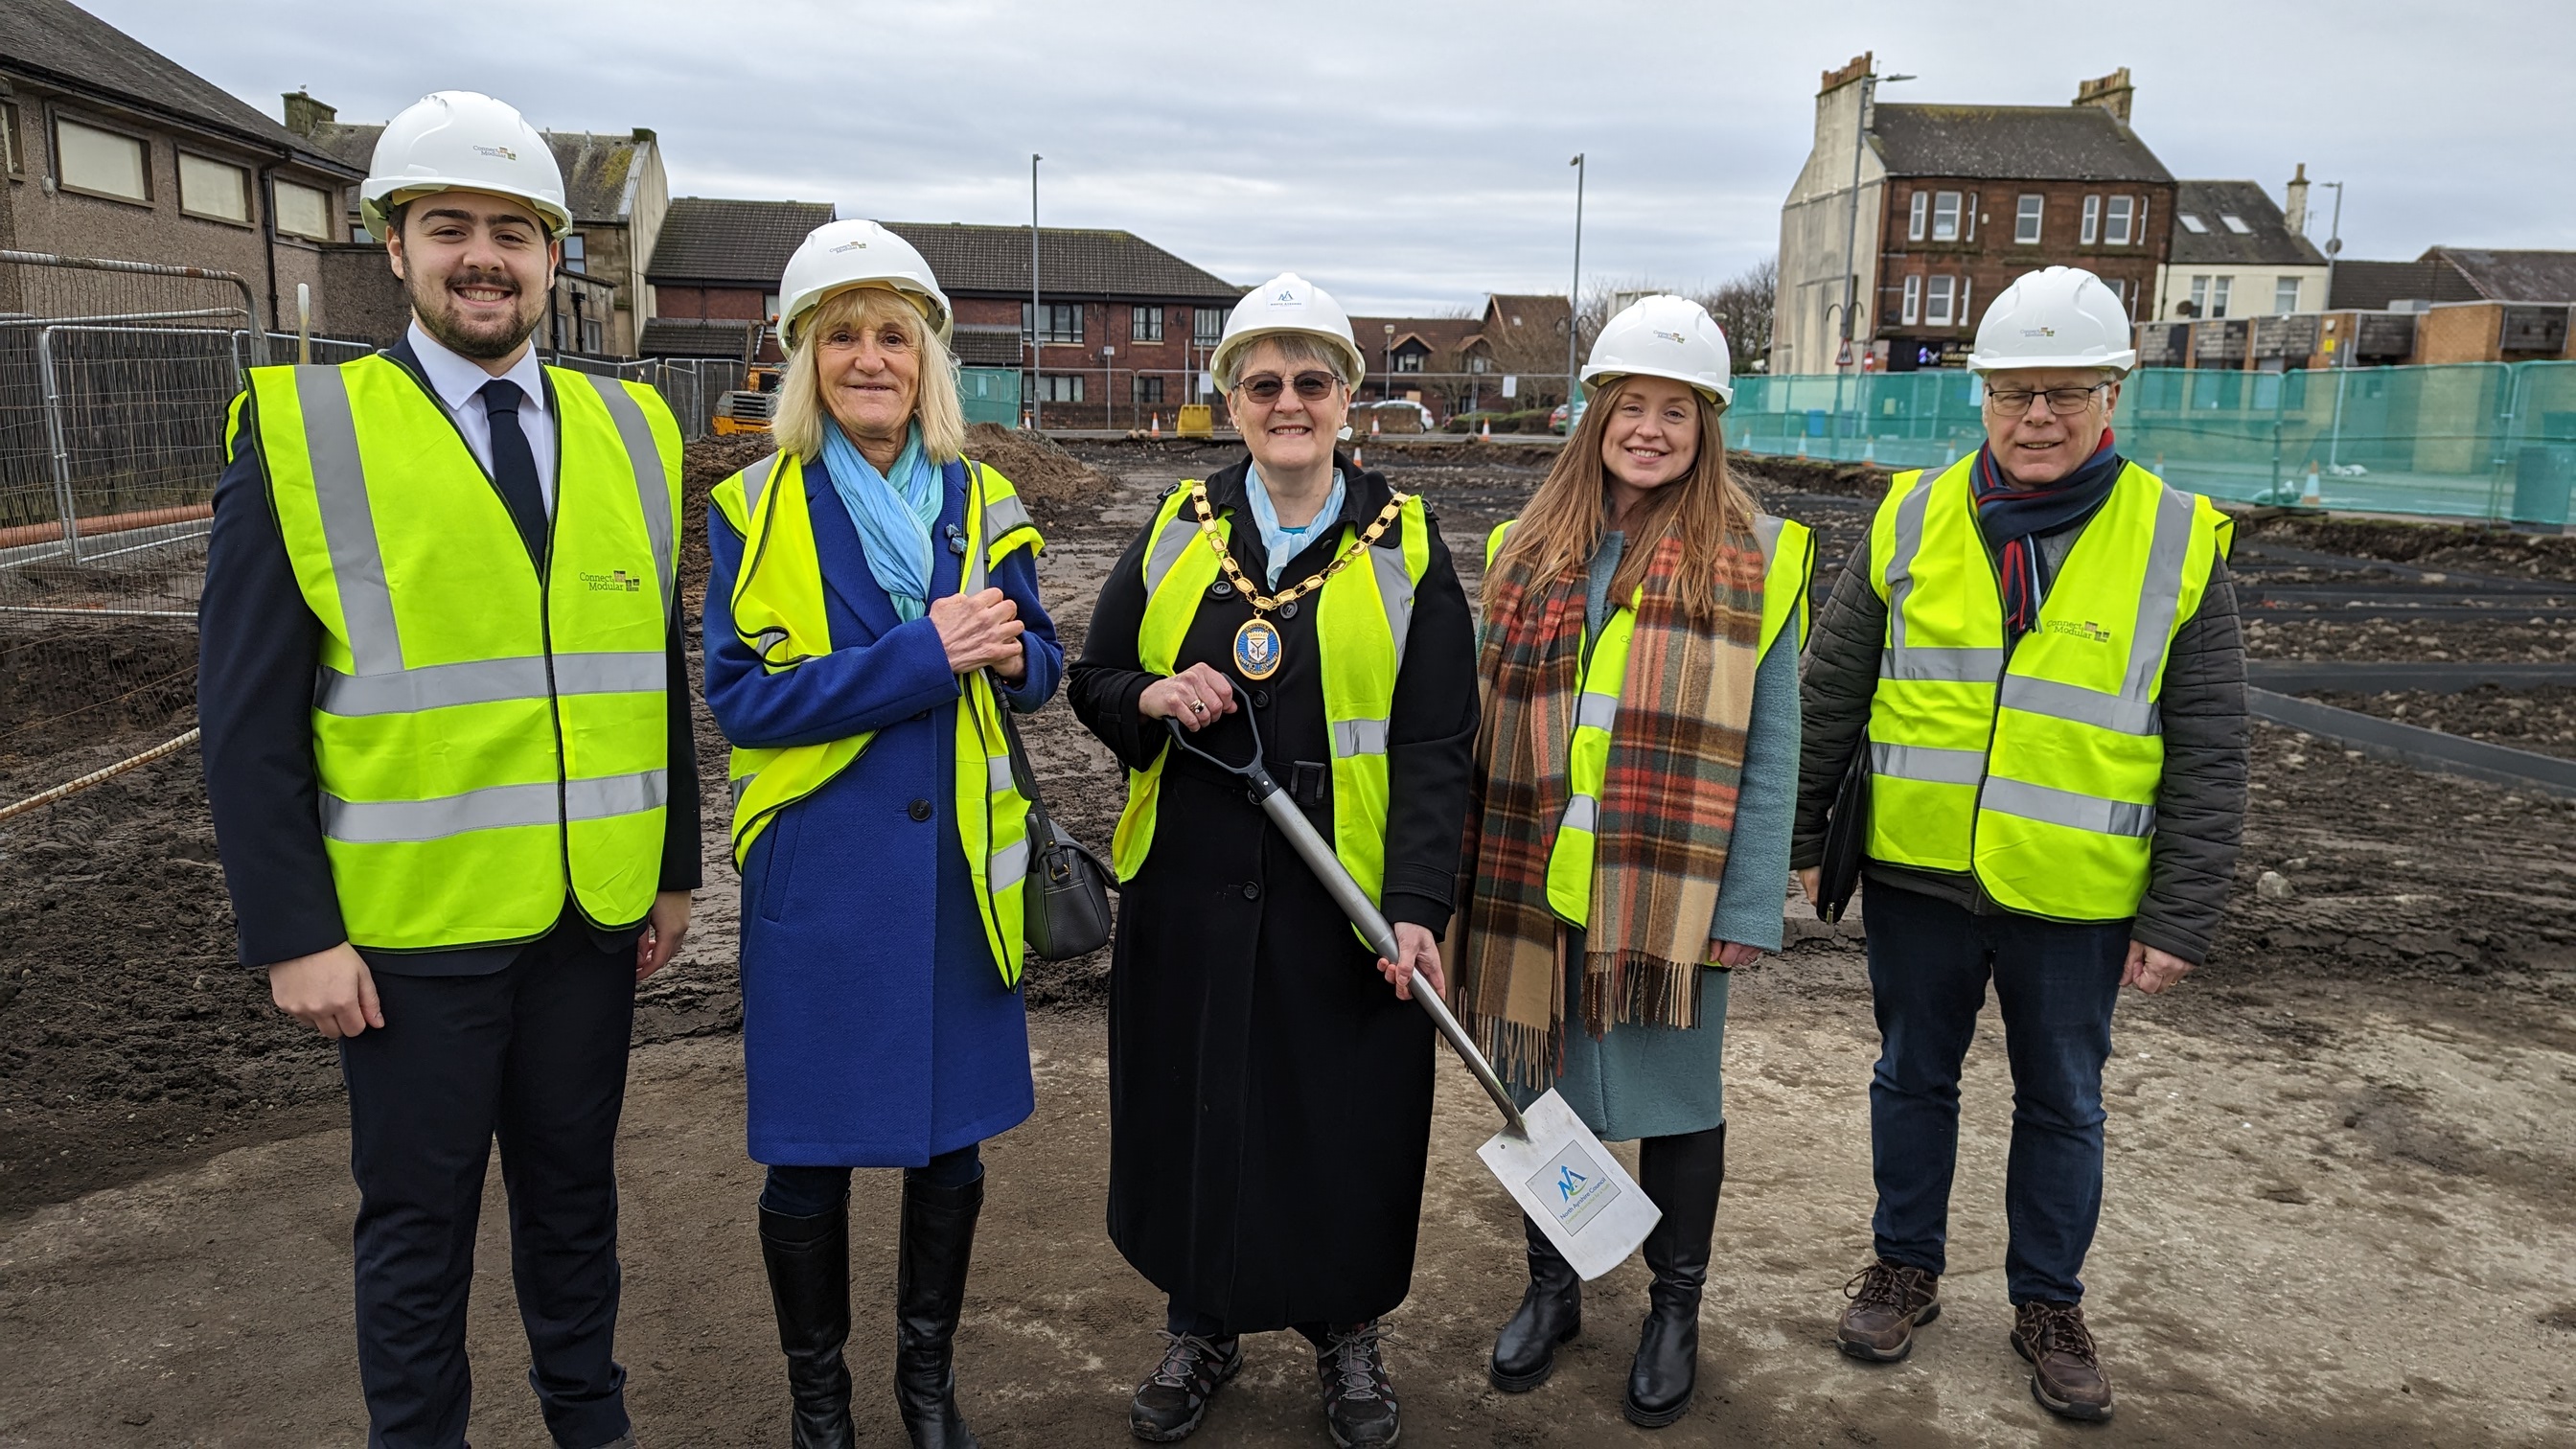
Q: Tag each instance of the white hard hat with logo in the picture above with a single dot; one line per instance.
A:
(2055, 317)
(461, 141)
(839, 255)
(1287, 303)
(1664, 336)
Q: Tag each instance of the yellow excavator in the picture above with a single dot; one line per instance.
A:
(748, 408)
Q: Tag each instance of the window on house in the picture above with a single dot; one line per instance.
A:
(576, 252)
(1914, 217)
(1945, 216)
(1480, 363)
(593, 340)
(2194, 225)
(2234, 223)
(769, 306)
(2200, 296)
(1207, 326)
(1913, 300)
(2026, 220)
(9, 151)
(2092, 220)
(1408, 362)
(1964, 315)
(2116, 226)
(1144, 324)
(1149, 391)
(2285, 294)
(1063, 322)
(304, 211)
(2218, 289)
(1061, 387)
(208, 187)
(103, 162)
(1936, 305)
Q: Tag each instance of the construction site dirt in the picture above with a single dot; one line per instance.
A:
(2342, 1186)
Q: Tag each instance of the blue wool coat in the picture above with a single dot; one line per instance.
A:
(876, 1031)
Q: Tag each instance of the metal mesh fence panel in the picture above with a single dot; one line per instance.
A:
(2488, 441)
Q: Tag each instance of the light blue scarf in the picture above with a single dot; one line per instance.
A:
(1284, 544)
(894, 513)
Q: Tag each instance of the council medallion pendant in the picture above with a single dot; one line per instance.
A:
(1256, 648)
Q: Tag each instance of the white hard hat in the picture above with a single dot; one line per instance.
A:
(1664, 336)
(2054, 317)
(839, 255)
(1287, 303)
(462, 140)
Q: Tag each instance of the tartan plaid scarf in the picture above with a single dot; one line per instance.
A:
(1667, 807)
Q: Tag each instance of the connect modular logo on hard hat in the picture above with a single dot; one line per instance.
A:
(504, 152)
(850, 246)
(1674, 338)
(1285, 297)
(2039, 332)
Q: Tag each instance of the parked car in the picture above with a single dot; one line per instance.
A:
(1565, 417)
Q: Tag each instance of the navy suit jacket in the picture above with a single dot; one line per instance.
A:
(259, 648)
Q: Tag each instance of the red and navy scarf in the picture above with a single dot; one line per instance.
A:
(2013, 518)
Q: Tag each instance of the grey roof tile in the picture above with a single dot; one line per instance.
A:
(2012, 143)
(594, 166)
(699, 337)
(2266, 241)
(1072, 262)
(2515, 276)
(731, 243)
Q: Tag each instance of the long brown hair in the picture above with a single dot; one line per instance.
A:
(1561, 528)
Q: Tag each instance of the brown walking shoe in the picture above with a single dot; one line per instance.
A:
(1888, 1302)
(2065, 1368)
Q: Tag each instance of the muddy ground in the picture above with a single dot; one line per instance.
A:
(2343, 1154)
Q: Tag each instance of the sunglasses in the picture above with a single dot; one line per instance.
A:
(1311, 386)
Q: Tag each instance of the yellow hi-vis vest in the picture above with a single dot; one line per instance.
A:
(1362, 617)
(2034, 765)
(488, 737)
(778, 613)
(1789, 562)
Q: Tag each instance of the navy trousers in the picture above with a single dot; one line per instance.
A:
(533, 1054)
(2056, 983)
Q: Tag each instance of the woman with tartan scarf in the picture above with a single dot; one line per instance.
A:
(1606, 979)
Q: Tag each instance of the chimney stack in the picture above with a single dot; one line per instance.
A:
(2111, 92)
(2294, 204)
(1836, 79)
(305, 115)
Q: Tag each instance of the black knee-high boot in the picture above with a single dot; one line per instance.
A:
(930, 1293)
(1551, 1313)
(809, 1287)
(1681, 1175)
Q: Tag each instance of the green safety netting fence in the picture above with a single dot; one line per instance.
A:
(2493, 441)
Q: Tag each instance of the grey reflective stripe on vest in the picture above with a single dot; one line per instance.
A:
(2066, 807)
(1928, 763)
(2083, 706)
(1002, 515)
(1007, 867)
(1596, 711)
(652, 489)
(997, 774)
(1395, 591)
(348, 520)
(1900, 572)
(1582, 812)
(1168, 546)
(755, 481)
(1766, 532)
(1355, 737)
(2162, 597)
(385, 822)
(1975, 666)
(489, 681)
(742, 785)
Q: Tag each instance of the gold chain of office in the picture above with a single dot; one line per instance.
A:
(1265, 603)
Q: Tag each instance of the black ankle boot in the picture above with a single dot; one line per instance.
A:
(809, 1288)
(1551, 1313)
(1681, 1175)
(930, 1292)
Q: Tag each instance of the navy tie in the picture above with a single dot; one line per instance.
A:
(514, 464)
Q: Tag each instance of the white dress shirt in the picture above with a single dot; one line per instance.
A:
(458, 382)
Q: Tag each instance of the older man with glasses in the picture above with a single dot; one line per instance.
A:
(2038, 648)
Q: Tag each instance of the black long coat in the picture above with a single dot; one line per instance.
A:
(1269, 1096)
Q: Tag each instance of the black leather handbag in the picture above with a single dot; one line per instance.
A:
(1846, 832)
(1066, 902)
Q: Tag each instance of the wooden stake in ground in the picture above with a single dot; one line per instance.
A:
(74, 787)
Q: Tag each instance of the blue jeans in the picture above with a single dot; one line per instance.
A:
(2056, 983)
(805, 1192)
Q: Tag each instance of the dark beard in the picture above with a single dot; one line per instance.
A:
(441, 324)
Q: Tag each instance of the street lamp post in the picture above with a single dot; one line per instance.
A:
(2343, 349)
(1390, 363)
(1036, 315)
(1574, 295)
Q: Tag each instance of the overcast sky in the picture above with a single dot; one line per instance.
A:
(1410, 157)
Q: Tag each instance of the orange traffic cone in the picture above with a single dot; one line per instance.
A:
(1158, 426)
(1372, 425)
(1358, 459)
(1487, 431)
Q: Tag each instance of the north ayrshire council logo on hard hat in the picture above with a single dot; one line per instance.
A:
(504, 152)
(1284, 297)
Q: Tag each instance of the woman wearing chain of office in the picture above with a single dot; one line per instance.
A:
(1270, 1095)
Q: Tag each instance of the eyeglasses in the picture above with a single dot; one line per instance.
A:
(2015, 402)
(1311, 386)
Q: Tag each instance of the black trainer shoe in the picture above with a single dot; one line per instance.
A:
(1359, 1403)
(1170, 1403)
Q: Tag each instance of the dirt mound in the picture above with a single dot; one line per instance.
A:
(2461, 547)
(704, 464)
(1050, 479)
(1808, 475)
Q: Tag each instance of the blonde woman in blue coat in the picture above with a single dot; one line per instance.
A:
(859, 662)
